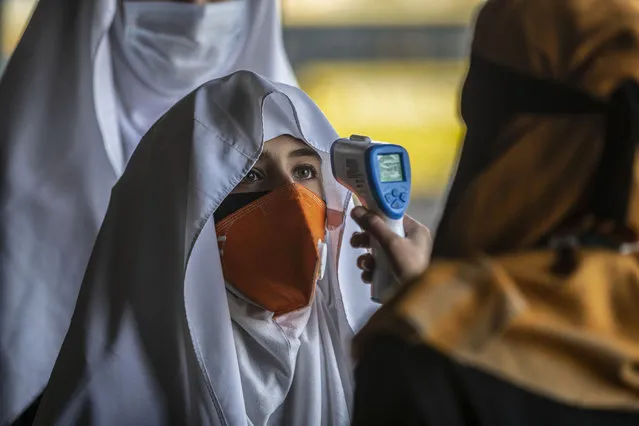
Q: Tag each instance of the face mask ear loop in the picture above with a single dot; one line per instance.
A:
(220, 243)
(323, 254)
(322, 248)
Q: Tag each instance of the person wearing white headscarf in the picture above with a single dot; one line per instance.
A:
(86, 81)
(163, 332)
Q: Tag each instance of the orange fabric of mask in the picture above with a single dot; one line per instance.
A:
(270, 248)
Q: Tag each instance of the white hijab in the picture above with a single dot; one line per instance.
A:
(152, 341)
(63, 144)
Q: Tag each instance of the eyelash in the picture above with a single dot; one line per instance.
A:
(259, 174)
(312, 169)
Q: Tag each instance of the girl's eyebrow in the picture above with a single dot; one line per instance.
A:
(304, 152)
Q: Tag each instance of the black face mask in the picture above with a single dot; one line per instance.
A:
(493, 95)
(234, 202)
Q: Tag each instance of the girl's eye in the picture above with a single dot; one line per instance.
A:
(252, 177)
(305, 172)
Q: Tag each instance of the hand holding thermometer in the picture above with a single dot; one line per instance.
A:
(379, 175)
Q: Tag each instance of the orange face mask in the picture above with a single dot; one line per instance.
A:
(270, 248)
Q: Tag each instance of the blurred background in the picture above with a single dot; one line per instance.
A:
(389, 69)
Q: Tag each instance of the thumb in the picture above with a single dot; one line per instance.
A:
(374, 225)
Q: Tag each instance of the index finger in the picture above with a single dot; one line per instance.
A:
(374, 225)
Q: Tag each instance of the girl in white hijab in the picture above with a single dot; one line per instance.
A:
(87, 80)
(204, 308)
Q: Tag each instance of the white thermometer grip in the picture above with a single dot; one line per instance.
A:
(384, 278)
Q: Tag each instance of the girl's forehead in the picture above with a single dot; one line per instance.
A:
(288, 146)
(284, 140)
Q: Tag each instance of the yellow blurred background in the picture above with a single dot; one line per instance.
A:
(410, 103)
(393, 74)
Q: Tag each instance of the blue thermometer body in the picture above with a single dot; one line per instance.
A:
(379, 175)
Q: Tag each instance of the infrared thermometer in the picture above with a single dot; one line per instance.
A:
(378, 174)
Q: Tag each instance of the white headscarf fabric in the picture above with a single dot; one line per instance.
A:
(61, 151)
(152, 341)
(164, 50)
